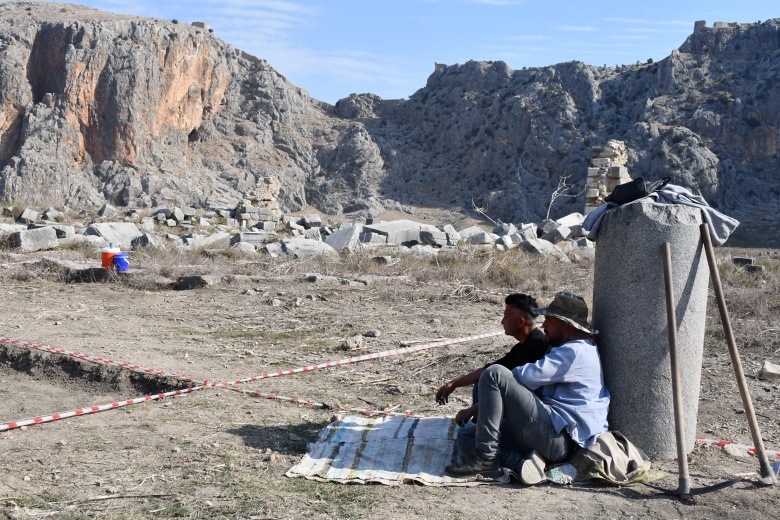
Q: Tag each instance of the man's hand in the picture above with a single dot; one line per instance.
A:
(463, 416)
(443, 394)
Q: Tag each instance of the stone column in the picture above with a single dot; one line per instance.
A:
(629, 310)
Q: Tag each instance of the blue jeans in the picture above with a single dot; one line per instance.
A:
(512, 417)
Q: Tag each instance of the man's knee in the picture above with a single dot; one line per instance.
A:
(496, 372)
(501, 378)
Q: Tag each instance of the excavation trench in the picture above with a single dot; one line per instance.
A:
(38, 383)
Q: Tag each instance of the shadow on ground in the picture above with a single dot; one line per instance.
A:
(289, 440)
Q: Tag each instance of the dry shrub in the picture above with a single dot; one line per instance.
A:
(750, 295)
(470, 268)
(79, 250)
(171, 262)
(6, 245)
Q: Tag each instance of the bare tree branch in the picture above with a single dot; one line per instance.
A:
(560, 191)
(482, 212)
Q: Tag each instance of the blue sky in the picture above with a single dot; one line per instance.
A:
(336, 47)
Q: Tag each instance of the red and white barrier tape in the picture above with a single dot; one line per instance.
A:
(14, 264)
(94, 409)
(356, 359)
(94, 359)
(746, 320)
(37, 261)
(745, 447)
(500, 293)
(143, 370)
(137, 368)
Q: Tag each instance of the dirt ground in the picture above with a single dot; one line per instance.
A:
(222, 454)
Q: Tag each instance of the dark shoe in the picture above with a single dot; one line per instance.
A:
(472, 466)
(511, 460)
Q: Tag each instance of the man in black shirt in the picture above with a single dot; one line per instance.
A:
(518, 322)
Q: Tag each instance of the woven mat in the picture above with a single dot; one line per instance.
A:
(390, 450)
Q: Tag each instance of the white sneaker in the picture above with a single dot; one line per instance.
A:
(532, 469)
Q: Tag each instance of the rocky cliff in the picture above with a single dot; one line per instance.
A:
(97, 107)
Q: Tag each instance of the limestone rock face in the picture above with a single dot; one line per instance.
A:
(97, 108)
(101, 89)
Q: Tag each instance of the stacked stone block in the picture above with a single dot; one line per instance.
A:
(261, 209)
(607, 170)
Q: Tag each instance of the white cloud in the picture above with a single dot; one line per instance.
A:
(306, 67)
(529, 37)
(504, 48)
(650, 22)
(576, 28)
(656, 31)
(630, 37)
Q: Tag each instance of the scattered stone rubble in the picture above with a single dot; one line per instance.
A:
(769, 371)
(562, 239)
(257, 226)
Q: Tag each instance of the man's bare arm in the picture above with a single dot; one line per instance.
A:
(443, 394)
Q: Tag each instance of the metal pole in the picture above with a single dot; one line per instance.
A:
(767, 475)
(684, 489)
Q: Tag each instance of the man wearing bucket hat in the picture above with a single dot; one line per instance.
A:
(549, 408)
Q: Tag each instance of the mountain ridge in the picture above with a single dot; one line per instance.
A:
(96, 108)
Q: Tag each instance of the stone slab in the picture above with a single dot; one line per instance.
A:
(120, 233)
(433, 237)
(769, 371)
(345, 238)
(505, 229)
(147, 240)
(84, 240)
(12, 228)
(742, 260)
(572, 219)
(40, 239)
(28, 216)
(545, 226)
(537, 246)
(62, 230)
(470, 231)
(453, 237)
(256, 238)
(220, 238)
(482, 238)
(558, 234)
(403, 232)
(311, 220)
(303, 248)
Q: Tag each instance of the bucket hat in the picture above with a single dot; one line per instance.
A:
(569, 308)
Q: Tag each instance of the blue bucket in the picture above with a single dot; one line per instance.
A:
(122, 261)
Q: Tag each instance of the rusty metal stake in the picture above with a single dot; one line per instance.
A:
(767, 474)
